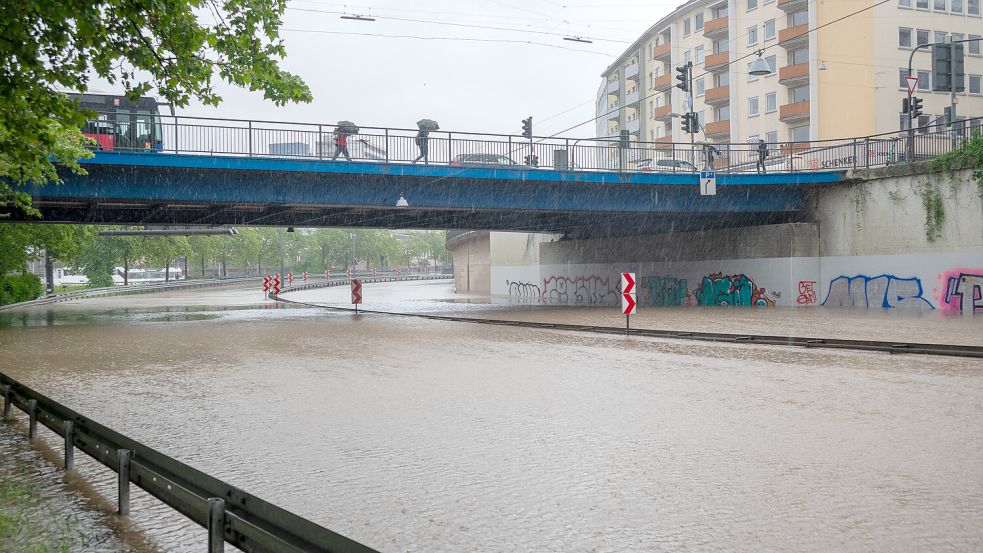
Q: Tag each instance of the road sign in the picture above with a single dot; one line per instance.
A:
(912, 83)
(327, 274)
(356, 291)
(305, 276)
(708, 183)
(348, 271)
(276, 285)
(290, 278)
(266, 283)
(628, 301)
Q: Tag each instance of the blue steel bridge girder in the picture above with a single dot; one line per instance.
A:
(185, 189)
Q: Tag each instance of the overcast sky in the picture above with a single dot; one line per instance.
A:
(469, 85)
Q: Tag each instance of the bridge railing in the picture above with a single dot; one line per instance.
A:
(312, 141)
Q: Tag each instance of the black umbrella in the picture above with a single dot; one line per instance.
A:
(427, 125)
(347, 127)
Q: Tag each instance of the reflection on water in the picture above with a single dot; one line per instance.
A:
(421, 435)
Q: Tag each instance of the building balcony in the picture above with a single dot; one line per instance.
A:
(631, 71)
(716, 63)
(717, 96)
(634, 125)
(613, 116)
(792, 5)
(790, 113)
(663, 83)
(793, 37)
(663, 142)
(794, 75)
(613, 86)
(662, 52)
(717, 129)
(716, 28)
(662, 113)
(631, 97)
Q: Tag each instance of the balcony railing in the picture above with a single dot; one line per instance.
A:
(799, 111)
(664, 82)
(716, 27)
(792, 37)
(662, 52)
(794, 74)
(613, 86)
(631, 71)
(716, 62)
(717, 96)
(631, 97)
(717, 129)
(792, 5)
(662, 113)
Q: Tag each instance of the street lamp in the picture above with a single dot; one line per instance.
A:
(401, 202)
(759, 67)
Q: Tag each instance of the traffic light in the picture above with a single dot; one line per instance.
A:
(904, 105)
(682, 75)
(958, 65)
(527, 127)
(916, 107)
(689, 122)
(624, 139)
(532, 160)
(941, 67)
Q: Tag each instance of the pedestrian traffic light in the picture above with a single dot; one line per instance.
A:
(904, 105)
(683, 77)
(624, 139)
(689, 122)
(532, 160)
(527, 127)
(916, 107)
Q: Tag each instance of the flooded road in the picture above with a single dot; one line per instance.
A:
(420, 435)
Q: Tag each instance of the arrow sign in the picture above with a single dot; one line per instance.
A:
(628, 304)
(708, 183)
(356, 291)
(627, 283)
(912, 83)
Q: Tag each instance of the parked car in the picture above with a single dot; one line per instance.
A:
(664, 165)
(494, 160)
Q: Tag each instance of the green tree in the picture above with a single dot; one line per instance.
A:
(162, 250)
(429, 246)
(204, 250)
(48, 45)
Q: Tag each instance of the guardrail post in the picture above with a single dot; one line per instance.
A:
(6, 402)
(216, 525)
(123, 458)
(69, 445)
(32, 410)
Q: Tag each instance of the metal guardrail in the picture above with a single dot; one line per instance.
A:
(313, 141)
(230, 514)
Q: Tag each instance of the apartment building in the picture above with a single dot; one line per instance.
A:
(830, 79)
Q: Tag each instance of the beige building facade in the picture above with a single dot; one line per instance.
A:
(830, 79)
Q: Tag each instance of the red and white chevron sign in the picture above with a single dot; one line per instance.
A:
(266, 283)
(356, 291)
(290, 278)
(629, 304)
(276, 284)
(305, 276)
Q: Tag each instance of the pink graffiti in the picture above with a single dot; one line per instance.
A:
(961, 291)
(807, 292)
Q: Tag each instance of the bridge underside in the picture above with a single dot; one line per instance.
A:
(149, 189)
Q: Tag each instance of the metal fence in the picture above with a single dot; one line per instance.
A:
(230, 514)
(269, 139)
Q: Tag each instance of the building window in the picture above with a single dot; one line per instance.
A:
(974, 46)
(956, 37)
(956, 6)
(701, 118)
(973, 7)
(799, 94)
(686, 29)
(752, 4)
(798, 18)
(769, 29)
(752, 35)
(940, 5)
(699, 55)
(771, 102)
(904, 37)
(772, 61)
(940, 36)
(796, 57)
(752, 106)
(904, 3)
(720, 12)
(720, 46)
(687, 55)
(974, 84)
(800, 134)
(771, 137)
(700, 86)
(924, 80)
(722, 113)
(750, 77)
(902, 73)
(921, 4)
(699, 21)
(922, 36)
(722, 79)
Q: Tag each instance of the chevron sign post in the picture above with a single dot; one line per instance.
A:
(629, 303)
(356, 293)
(276, 285)
(266, 284)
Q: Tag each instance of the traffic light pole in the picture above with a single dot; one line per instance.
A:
(693, 122)
(910, 153)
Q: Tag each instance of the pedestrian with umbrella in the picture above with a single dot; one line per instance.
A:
(423, 138)
(341, 134)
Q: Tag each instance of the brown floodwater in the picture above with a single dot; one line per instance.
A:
(421, 435)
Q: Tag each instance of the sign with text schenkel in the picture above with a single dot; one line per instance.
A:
(629, 304)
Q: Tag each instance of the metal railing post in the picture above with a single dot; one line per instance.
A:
(123, 458)
(320, 149)
(69, 445)
(216, 525)
(450, 151)
(387, 145)
(6, 402)
(250, 139)
(854, 153)
(175, 134)
(32, 411)
(867, 152)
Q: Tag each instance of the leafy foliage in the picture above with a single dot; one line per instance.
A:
(18, 288)
(968, 156)
(51, 45)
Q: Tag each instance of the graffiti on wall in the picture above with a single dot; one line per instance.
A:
(720, 289)
(591, 290)
(807, 293)
(963, 291)
(887, 291)
(667, 291)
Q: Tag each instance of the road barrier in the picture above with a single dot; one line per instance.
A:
(230, 514)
